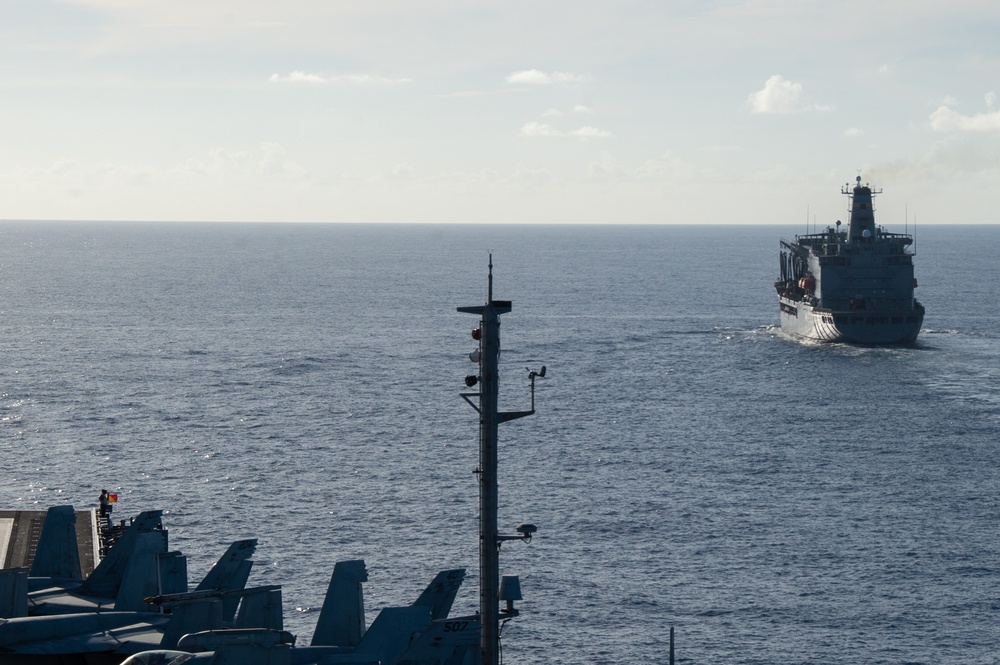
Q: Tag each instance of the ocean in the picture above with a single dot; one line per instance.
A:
(688, 465)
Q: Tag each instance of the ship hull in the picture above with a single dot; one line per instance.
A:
(802, 319)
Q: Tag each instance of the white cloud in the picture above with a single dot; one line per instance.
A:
(298, 77)
(991, 99)
(853, 132)
(580, 108)
(951, 160)
(569, 77)
(525, 176)
(529, 76)
(357, 79)
(668, 167)
(552, 113)
(539, 129)
(271, 162)
(777, 96)
(275, 163)
(607, 165)
(946, 120)
(537, 77)
(590, 133)
(402, 171)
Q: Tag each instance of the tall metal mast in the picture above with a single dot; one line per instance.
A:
(488, 335)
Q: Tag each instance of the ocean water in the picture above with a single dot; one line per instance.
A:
(688, 465)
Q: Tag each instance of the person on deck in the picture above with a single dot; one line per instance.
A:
(106, 506)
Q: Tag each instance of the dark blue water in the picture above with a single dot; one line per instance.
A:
(777, 502)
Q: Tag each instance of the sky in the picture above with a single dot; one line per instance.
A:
(479, 111)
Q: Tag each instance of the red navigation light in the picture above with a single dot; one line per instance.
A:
(477, 334)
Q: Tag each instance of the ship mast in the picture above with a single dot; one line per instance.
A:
(488, 335)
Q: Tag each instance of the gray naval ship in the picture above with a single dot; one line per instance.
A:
(852, 286)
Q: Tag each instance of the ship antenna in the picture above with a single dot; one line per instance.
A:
(489, 285)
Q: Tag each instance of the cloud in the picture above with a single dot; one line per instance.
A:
(529, 76)
(356, 79)
(955, 159)
(667, 167)
(590, 133)
(853, 132)
(402, 171)
(534, 129)
(274, 163)
(946, 120)
(777, 96)
(537, 77)
(299, 77)
(539, 129)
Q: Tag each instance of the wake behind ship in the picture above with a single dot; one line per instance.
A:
(850, 286)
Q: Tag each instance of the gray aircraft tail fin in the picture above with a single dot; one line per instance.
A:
(106, 579)
(191, 616)
(261, 608)
(236, 583)
(392, 632)
(199, 611)
(342, 620)
(172, 575)
(140, 579)
(452, 641)
(57, 554)
(13, 593)
(228, 571)
(440, 593)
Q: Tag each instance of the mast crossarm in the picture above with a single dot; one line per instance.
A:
(468, 398)
(505, 416)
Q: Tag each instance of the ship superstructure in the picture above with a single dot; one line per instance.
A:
(854, 285)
